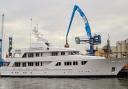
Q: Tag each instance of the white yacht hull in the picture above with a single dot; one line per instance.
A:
(93, 68)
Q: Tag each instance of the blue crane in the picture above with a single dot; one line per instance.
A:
(92, 40)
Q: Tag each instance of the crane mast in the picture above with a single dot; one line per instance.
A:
(1, 39)
(92, 40)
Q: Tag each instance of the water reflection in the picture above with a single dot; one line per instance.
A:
(63, 83)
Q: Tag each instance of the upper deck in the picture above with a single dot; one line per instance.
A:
(41, 52)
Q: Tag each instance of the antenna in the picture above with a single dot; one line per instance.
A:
(30, 31)
(10, 47)
(2, 37)
(108, 47)
(2, 26)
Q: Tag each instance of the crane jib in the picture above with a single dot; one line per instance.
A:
(93, 40)
(76, 8)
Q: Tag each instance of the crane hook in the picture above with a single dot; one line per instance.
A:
(66, 44)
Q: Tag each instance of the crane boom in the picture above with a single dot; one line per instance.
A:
(93, 40)
(87, 27)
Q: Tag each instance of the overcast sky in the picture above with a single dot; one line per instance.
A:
(52, 16)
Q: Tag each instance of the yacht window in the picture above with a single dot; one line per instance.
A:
(83, 62)
(58, 64)
(30, 55)
(67, 63)
(41, 63)
(24, 64)
(113, 69)
(17, 64)
(62, 53)
(37, 63)
(4, 63)
(75, 63)
(30, 63)
(41, 54)
(73, 52)
(76, 52)
(37, 54)
(24, 56)
(1, 64)
(54, 53)
(70, 53)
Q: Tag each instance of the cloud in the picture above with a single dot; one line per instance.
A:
(105, 17)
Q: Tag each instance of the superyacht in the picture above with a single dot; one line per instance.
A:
(45, 60)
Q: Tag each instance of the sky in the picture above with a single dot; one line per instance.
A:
(53, 16)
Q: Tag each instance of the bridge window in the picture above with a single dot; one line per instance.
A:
(24, 64)
(30, 55)
(83, 62)
(24, 56)
(73, 52)
(54, 53)
(62, 53)
(37, 54)
(58, 64)
(17, 64)
(75, 63)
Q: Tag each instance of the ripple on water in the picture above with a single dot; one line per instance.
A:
(63, 83)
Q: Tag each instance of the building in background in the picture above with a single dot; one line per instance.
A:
(121, 49)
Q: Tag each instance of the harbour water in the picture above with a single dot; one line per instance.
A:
(63, 83)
